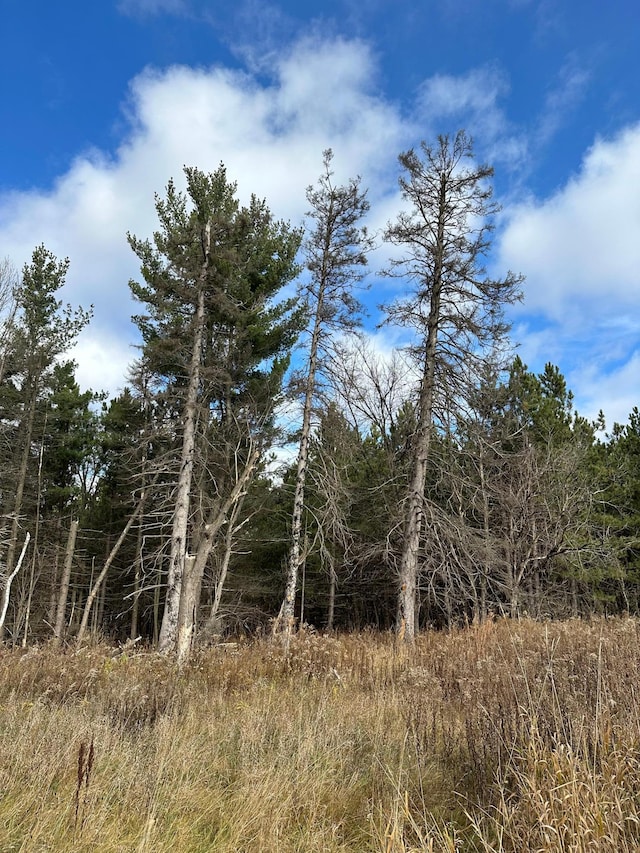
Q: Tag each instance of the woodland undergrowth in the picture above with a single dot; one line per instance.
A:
(506, 736)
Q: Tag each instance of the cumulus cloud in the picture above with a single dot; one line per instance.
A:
(601, 366)
(580, 248)
(269, 135)
(103, 361)
(580, 252)
(616, 392)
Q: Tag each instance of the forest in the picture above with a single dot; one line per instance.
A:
(266, 468)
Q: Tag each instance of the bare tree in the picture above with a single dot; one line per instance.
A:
(64, 582)
(335, 255)
(334, 454)
(221, 514)
(98, 583)
(517, 507)
(233, 527)
(369, 386)
(455, 309)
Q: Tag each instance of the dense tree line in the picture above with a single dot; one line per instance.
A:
(440, 485)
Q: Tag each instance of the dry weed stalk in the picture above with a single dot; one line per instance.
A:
(86, 758)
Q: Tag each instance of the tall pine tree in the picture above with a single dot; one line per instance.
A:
(217, 336)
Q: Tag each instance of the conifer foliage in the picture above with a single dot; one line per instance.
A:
(436, 485)
(217, 341)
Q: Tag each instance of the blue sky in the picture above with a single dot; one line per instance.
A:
(103, 102)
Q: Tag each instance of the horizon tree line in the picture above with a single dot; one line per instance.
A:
(445, 484)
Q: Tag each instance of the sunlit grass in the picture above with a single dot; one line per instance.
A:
(510, 736)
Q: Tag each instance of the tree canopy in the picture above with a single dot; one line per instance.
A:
(266, 467)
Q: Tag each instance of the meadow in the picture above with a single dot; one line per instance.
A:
(506, 736)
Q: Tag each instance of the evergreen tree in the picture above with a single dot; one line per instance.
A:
(70, 442)
(43, 330)
(615, 476)
(217, 338)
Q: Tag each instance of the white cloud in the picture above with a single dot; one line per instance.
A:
(602, 367)
(580, 252)
(478, 90)
(561, 100)
(103, 360)
(580, 248)
(270, 137)
(473, 100)
(616, 392)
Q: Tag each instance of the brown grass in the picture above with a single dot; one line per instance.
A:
(510, 736)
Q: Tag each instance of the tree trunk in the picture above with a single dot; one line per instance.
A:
(156, 601)
(195, 567)
(513, 595)
(32, 585)
(574, 598)
(27, 429)
(414, 518)
(188, 612)
(95, 588)
(135, 606)
(224, 569)
(64, 582)
(286, 619)
(335, 250)
(54, 590)
(7, 586)
(332, 596)
(486, 529)
(36, 538)
(180, 530)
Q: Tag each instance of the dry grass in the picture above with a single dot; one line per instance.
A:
(502, 737)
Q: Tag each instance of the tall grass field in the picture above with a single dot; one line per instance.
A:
(507, 736)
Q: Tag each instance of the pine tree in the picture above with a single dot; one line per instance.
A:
(335, 252)
(43, 330)
(527, 453)
(615, 478)
(217, 338)
(454, 308)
